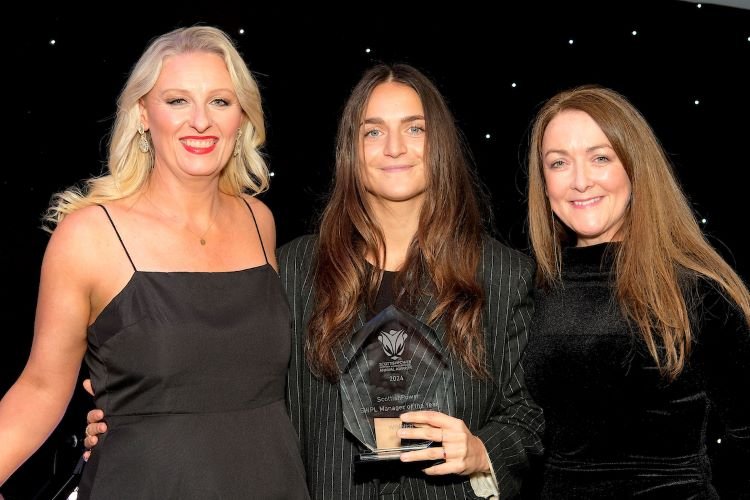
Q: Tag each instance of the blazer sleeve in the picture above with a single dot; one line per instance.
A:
(295, 272)
(513, 430)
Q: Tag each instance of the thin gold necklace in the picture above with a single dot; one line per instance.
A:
(201, 237)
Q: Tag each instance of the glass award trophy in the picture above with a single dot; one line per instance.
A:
(395, 364)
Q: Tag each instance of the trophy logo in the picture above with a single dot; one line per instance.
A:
(393, 342)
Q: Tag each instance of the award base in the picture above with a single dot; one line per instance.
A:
(381, 458)
(388, 453)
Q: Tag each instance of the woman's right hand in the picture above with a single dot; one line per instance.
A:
(94, 426)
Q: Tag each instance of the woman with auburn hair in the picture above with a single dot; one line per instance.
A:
(404, 227)
(640, 325)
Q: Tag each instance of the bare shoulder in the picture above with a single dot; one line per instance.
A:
(261, 212)
(260, 209)
(266, 224)
(77, 250)
(79, 233)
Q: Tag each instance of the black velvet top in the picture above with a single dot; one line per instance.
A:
(615, 427)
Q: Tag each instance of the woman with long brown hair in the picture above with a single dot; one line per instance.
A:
(404, 227)
(640, 325)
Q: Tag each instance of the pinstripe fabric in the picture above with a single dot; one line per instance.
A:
(499, 411)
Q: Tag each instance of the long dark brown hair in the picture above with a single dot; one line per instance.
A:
(443, 257)
(661, 239)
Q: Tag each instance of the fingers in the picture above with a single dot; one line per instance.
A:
(94, 416)
(90, 442)
(86, 455)
(88, 387)
(94, 428)
(422, 432)
(92, 432)
(433, 418)
(457, 453)
(432, 453)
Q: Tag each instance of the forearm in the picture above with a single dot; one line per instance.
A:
(28, 415)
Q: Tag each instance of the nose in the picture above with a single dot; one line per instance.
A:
(395, 145)
(200, 119)
(581, 180)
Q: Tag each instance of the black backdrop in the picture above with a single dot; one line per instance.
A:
(685, 67)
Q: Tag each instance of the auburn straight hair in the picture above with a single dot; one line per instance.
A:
(662, 247)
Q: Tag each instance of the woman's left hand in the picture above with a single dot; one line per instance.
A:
(463, 452)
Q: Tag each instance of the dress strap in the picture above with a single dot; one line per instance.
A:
(118, 235)
(256, 228)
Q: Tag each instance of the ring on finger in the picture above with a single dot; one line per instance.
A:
(445, 456)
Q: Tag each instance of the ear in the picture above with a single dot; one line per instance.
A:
(143, 113)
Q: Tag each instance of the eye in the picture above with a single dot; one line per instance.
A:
(373, 133)
(176, 101)
(556, 164)
(220, 102)
(601, 159)
(416, 130)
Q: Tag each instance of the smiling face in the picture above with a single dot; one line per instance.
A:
(193, 115)
(392, 144)
(587, 186)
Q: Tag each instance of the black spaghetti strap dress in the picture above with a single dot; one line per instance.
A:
(190, 370)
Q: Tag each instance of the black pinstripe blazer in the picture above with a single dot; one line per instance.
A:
(499, 411)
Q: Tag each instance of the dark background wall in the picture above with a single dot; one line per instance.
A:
(684, 66)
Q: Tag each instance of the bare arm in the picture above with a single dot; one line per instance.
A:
(34, 405)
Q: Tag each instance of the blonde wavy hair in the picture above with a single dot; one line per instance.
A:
(128, 169)
(662, 243)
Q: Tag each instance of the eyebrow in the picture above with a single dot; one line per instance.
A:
(588, 150)
(380, 121)
(185, 91)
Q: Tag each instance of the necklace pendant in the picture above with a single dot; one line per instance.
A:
(203, 242)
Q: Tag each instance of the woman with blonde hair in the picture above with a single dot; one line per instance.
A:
(640, 325)
(162, 274)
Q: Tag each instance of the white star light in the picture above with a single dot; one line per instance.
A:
(52, 42)
(487, 136)
(242, 31)
(367, 50)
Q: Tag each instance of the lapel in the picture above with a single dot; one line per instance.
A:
(346, 350)
(424, 309)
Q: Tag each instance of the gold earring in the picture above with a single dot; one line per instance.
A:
(237, 144)
(143, 143)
